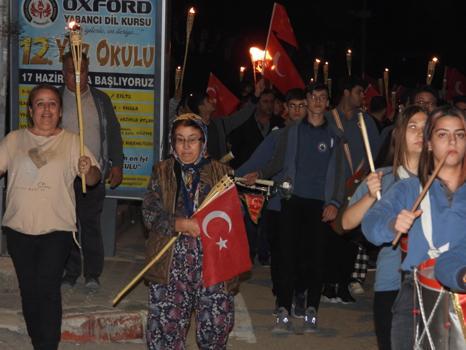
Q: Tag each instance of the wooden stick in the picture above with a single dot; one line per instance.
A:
(76, 53)
(146, 268)
(254, 70)
(367, 145)
(189, 28)
(422, 194)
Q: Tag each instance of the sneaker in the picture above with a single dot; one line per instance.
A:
(310, 320)
(92, 283)
(329, 294)
(68, 281)
(298, 308)
(355, 288)
(344, 296)
(282, 324)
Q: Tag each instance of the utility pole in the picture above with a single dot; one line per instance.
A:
(4, 73)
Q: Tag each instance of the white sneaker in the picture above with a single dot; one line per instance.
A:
(283, 323)
(355, 288)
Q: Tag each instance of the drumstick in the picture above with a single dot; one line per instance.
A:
(367, 146)
(257, 181)
(422, 194)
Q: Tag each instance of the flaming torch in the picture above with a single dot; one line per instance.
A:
(431, 70)
(178, 81)
(326, 73)
(316, 68)
(386, 83)
(348, 60)
(189, 28)
(329, 87)
(76, 52)
(241, 73)
(258, 60)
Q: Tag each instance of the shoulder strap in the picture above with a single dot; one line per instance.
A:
(339, 125)
(426, 223)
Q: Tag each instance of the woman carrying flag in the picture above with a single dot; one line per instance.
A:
(177, 188)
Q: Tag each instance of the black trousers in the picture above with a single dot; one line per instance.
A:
(340, 257)
(89, 208)
(301, 250)
(39, 263)
(383, 303)
(271, 220)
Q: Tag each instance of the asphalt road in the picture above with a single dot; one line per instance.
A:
(346, 327)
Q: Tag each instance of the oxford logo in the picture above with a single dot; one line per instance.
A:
(40, 13)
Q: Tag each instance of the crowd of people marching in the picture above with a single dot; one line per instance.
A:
(340, 216)
(317, 234)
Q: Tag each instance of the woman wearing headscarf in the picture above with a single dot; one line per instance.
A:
(177, 187)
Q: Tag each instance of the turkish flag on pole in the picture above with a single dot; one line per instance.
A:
(282, 73)
(456, 83)
(224, 241)
(280, 25)
(227, 103)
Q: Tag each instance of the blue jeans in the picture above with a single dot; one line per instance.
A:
(402, 336)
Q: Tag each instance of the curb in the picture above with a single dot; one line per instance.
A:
(98, 327)
(104, 327)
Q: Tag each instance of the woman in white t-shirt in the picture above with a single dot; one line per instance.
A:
(42, 162)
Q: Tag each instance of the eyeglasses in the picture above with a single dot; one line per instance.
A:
(318, 98)
(424, 103)
(295, 106)
(189, 141)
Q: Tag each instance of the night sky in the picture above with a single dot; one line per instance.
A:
(400, 35)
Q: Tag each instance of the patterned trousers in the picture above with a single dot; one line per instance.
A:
(171, 305)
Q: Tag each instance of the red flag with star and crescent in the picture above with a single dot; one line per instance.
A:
(280, 25)
(227, 103)
(282, 73)
(223, 236)
(254, 204)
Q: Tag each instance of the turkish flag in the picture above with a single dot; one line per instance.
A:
(280, 25)
(282, 73)
(227, 103)
(254, 204)
(456, 83)
(223, 236)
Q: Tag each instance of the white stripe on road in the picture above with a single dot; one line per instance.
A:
(243, 329)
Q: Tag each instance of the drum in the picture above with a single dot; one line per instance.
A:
(439, 323)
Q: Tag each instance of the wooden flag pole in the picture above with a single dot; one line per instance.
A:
(146, 268)
(76, 52)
